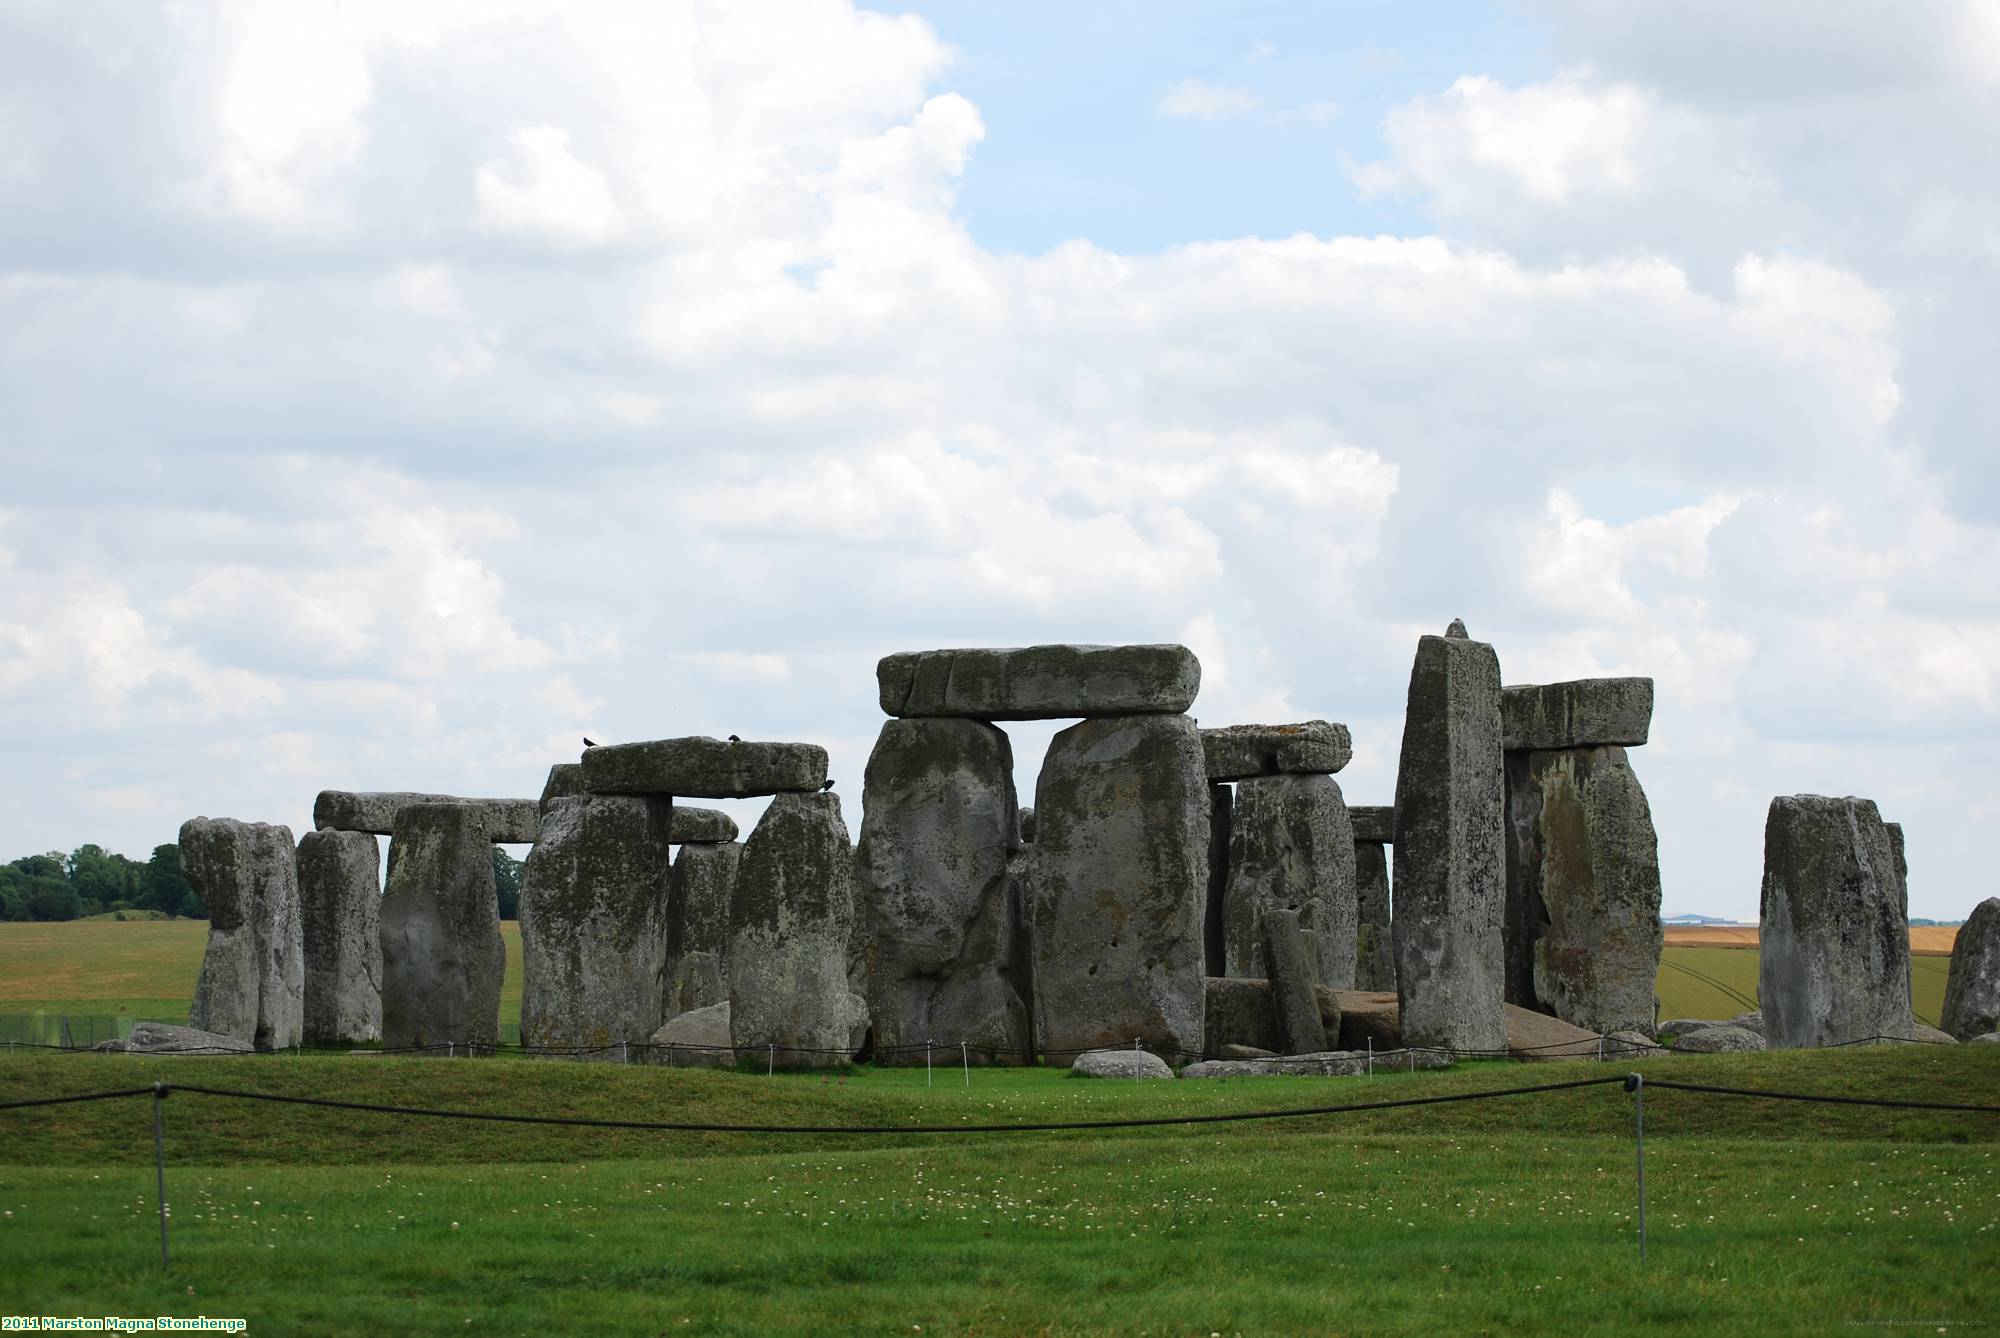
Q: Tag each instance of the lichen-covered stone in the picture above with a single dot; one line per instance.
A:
(1291, 848)
(565, 782)
(340, 906)
(1293, 981)
(698, 896)
(1214, 933)
(1719, 1039)
(252, 982)
(933, 891)
(703, 768)
(1374, 948)
(1039, 682)
(790, 919)
(163, 1038)
(1834, 935)
(505, 821)
(1120, 1064)
(594, 924)
(1319, 1064)
(709, 826)
(698, 1038)
(1027, 821)
(697, 981)
(1451, 849)
(1373, 822)
(1311, 747)
(1120, 872)
(1582, 933)
(1585, 713)
(442, 955)
(1972, 988)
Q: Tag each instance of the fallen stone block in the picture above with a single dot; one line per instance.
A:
(1312, 747)
(704, 768)
(1930, 1035)
(708, 826)
(1039, 682)
(698, 1038)
(162, 1038)
(1320, 1064)
(340, 907)
(1585, 713)
(1676, 1027)
(1972, 987)
(1120, 1064)
(505, 821)
(1719, 1040)
(252, 982)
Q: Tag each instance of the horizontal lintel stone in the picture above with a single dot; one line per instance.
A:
(1583, 713)
(703, 768)
(507, 821)
(1374, 822)
(700, 824)
(1039, 682)
(1311, 747)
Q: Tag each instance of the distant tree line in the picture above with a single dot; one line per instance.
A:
(90, 880)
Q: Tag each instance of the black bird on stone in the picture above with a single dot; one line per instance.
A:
(587, 742)
(734, 739)
(828, 785)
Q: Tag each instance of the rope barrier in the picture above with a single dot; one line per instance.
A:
(1823, 1098)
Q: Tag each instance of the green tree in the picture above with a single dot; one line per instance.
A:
(507, 882)
(163, 886)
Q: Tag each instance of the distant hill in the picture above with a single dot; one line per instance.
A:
(1692, 919)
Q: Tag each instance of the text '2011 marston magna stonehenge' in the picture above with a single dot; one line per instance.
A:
(252, 983)
(1039, 682)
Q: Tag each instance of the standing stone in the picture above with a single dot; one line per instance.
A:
(933, 895)
(442, 955)
(1374, 949)
(1834, 958)
(1972, 989)
(1027, 822)
(340, 907)
(594, 924)
(1214, 934)
(790, 920)
(1451, 849)
(1120, 869)
(252, 983)
(1291, 973)
(1582, 935)
(565, 781)
(1039, 682)
(1291, 847)
(698, 896)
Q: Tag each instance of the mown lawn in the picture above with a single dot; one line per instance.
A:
(1508, 1215)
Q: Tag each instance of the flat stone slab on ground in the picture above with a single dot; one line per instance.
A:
(1373, 822)
(1722, 1039)
(163, 1038)
(1319, 1064)
(698, 767)
(708, 826)
(505, 821)
(1583, 713)
(698, 1038)
(1039, 682)
(1311, 747)
(1120, 1064)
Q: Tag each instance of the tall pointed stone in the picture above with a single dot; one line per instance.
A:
(1120, 871)
(340, 904)
(1833, 934)
(252, 982)
(1291, 847)
(1972, 988)
(594, 924)
(933, 893)
(442, 955)
(1374, 950)
(1451, 849)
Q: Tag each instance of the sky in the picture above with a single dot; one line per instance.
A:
(397, 393)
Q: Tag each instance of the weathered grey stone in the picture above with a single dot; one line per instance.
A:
(1676, 1027)
(698, 981)
(790, 919)
(703, 768)
(698, 1038)
(1585, 713)
(1292, 980)
(1834, 937)
(163, 1038)
(252, 983)
(1291, 848)
(340, 908)
(1039, 682)
(1244, 1051)
(1374, 822)
(442, 955)
(1237, 1010)
(565, 782)
(1027, 821)
(1320, 1064)
(1120, 1064)
(1751, 1021)
(1930, 1035)
(1972, 986)
(1988, 1038)
(1120, 870)
(1214, 931)
(932, 891)
(1311, 747)
(594, 924)
(1719, 1039)
(698, 897)
(1629, 1044)
(710, 826)
(1451, 849)
(1582, 935)
(1374, 947)
(505, 821)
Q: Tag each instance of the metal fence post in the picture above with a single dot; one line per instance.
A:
(965, 1058)
(1636, 1085)
(1371, 1056)
(770, 1058)
(160, 1165)
(928, 1043)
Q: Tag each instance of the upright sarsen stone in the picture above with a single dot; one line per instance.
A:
(1451, 849)
(252, 983)
(1120, 868)
(1972, 989)
(565, 781)
(340, 905)
(594, 924)
(1834, 936)
(1374, 950)
(698, 898)
(933, 892)
(442, 955)
(790, 920)
(1291, 848)
(1582, 933)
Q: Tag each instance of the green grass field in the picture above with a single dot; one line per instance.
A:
(1509, 1215)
